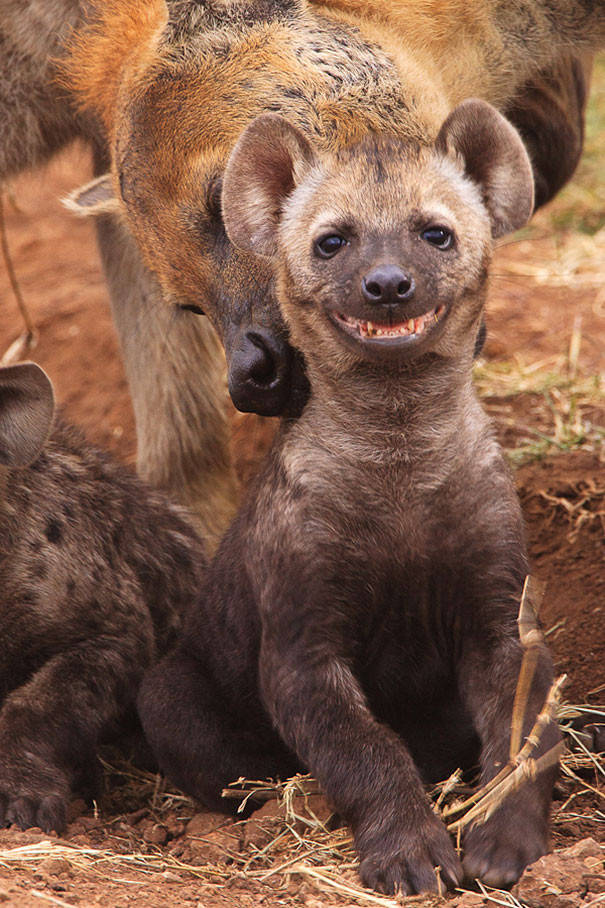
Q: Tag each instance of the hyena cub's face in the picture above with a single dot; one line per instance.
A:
(381, 250)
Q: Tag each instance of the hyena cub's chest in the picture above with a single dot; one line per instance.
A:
(406, 657)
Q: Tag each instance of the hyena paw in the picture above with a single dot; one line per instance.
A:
(411, 860)
(33, 797)
(49, 813)
(498, 852)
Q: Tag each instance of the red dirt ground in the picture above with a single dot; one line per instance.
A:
(59, 273)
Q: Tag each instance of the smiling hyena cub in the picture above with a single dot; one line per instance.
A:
(96, 571)
(359, 619)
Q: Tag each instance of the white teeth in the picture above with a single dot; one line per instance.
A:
(413, 326)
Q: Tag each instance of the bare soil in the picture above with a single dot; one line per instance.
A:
(531, 315)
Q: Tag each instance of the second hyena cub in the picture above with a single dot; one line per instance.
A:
(96, 571)
(359, 619)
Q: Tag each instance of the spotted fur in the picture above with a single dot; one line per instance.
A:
(96, 573)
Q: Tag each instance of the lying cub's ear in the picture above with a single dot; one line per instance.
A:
(94, 198)
(270, 159)
(495, 158)
(27, 406)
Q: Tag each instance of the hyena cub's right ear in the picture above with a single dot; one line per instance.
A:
(94, 198)
(495, 158)
(27, 406)
(269, 160)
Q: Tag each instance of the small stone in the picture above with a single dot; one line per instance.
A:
(4, 895)
(469, 900)
(75, 809)
(560, 872)
(156, 834)
(54, 866)
(176, 828)
(137, 815)
(203, 823)
(170, 877)
(586, 848)
(264, 824)
(313, 810)
(215, 848)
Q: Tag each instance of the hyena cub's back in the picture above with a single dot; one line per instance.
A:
(96, 572)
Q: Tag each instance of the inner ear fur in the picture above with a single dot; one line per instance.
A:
(94, 198)
(495, 158)
(27, 406)
(268, 161)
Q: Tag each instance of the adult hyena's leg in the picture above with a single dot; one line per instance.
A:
(549, 111)
(176, 371)
(37, 115)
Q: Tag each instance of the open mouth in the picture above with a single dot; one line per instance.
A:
(412, 327)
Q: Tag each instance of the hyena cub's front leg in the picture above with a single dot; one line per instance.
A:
(498, 850)
(365, 768)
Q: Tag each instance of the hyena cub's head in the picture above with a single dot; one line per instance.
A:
(381, 250)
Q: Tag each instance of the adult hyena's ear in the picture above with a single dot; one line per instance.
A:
(94, 198)
(27, 406)
(269, 160)
(494, 157)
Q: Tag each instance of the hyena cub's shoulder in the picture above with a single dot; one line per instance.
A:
(97, 571)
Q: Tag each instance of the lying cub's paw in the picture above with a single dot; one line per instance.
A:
(498, 852)
(33, 792)
(48, 812)
(405, 860)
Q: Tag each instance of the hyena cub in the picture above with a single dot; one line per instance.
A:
(96, 572)
(359, 619)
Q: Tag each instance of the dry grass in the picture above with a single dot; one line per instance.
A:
(296, 843)
(563, 409)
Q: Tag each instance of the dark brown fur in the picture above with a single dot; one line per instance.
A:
(359, 619)
(96, 572)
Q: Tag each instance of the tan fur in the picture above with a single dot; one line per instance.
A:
(393, 72)
(118, 44)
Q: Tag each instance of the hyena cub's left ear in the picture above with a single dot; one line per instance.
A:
(94, 198)
(27, 406)
(269, 160)
(495, 158)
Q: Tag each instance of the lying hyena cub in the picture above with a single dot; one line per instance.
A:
(95, 573)
(360, 616)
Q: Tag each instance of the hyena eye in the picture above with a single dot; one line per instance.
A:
(440, 237)
(327, 246)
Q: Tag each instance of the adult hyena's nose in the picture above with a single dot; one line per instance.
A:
(387, 285)
(259, 371)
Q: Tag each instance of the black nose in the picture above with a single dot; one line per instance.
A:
(387, 284)
(259, 372)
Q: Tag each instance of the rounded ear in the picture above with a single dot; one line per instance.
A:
(269, 160)
(27, 406)
(94, 198)
(494, 157)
